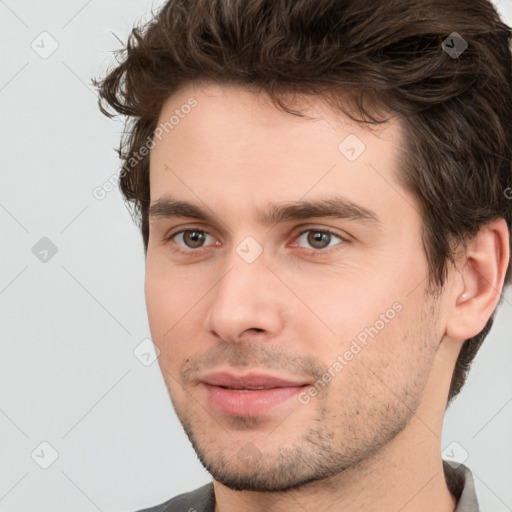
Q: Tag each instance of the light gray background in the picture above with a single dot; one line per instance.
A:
(68, 374)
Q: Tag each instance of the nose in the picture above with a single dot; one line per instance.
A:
(245, 303)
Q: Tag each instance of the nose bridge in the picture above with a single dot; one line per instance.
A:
(245, 268)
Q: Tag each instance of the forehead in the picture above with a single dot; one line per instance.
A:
(226, 141)
(231, 108)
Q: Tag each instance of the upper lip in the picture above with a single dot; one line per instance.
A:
(248, 380)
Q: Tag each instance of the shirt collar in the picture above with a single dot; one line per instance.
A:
(459, 479)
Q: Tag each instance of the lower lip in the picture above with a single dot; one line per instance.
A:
(250, 402)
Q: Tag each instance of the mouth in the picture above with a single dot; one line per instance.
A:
(250, 394)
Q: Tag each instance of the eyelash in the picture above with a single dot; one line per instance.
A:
(181, 250)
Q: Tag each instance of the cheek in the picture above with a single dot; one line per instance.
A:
(343, 306)
(167, 300)
(175, 310)
(382, 329)
(159, 301)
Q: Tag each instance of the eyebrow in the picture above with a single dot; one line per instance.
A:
(334, 207)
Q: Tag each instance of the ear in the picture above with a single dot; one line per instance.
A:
(480, 281)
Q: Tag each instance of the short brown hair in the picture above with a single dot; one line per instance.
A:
(387, 56)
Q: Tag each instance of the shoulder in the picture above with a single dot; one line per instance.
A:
(200, 500)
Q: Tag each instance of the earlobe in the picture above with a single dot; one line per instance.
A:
(482, 274)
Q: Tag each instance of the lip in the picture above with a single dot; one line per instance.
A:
(248, 380)
(237, 394)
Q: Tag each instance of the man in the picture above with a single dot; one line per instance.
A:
(324, 195)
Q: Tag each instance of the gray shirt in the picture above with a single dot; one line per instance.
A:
(459, 481)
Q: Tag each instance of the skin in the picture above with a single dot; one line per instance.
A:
(370, 440)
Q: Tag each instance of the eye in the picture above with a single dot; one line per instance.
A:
(191, 238)
(318, 238)
(195, 239)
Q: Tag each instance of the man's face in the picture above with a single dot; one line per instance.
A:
(326, 312)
